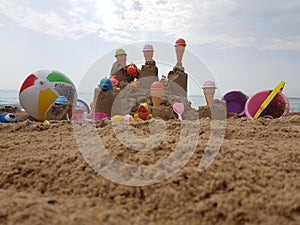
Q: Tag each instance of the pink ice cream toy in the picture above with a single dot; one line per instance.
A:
(156, 92)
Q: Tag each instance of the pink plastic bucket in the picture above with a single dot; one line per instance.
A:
(98, 115)
(235, 101)
(279, 106)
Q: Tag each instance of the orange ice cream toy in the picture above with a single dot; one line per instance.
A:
(156, 90)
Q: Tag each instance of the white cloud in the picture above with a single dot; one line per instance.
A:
(269, 24)
(47, 21)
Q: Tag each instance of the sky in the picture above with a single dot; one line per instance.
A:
(248, 45)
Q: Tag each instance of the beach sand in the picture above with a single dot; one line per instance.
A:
(254, 179)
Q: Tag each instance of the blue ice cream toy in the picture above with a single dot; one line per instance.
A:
(61, 100)
(8, 118)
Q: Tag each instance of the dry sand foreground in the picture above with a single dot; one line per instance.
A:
(255, 178)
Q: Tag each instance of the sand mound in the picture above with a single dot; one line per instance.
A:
(254, 179)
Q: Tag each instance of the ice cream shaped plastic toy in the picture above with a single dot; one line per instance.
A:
(61, 100)
(105, 84)
(143, 112)
(156, 90)
(120, 55)
(179, 48)
(209, 88)
(148, 52)
(8, 118)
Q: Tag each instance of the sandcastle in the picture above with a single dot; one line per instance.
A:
(132, 88)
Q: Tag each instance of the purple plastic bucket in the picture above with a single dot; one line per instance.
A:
(278, 107)
(235, 101)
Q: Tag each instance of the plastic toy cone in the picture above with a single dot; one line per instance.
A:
(156, 94)
(156, 101)
(209, 94)
(148, 55)
(179, 53)
(181, 42)
(121, 59)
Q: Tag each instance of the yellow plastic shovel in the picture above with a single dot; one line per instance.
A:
(270, 97)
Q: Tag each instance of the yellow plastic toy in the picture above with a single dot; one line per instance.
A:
(270, 97)
(117, 118)
(143, 112)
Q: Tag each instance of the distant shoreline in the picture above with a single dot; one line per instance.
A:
(10, 97)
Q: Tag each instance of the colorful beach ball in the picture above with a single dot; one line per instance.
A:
(40, 90)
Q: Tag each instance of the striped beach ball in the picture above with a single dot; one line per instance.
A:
(40, 90)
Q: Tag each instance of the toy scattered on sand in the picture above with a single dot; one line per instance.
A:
(148, 52)
(149, 71)
(269, 104)
(98, 116)
(164, 80)
(235, 101)
(121, 118)
(82, 106)
(128, 117)
(209, 88)
(114, 81)
(61, 109)
(132, 70)
(8, 118)
(40, 90)
(143, 112)
(177, 76)
(268, 100)
(105, 84)
(61, 100)
(179, 48)
(178, 109)
(117, 118)
(46, 122)
(156, 90)
(121, 57)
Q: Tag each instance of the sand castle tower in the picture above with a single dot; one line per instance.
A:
(104, 97)
(209, 88)
(149, 69)
(119, 68)
(121, 57)
(148, 53)
(179, 49)
(178, 75)
(61, 109)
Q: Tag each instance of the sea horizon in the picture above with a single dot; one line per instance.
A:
(10, 97)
